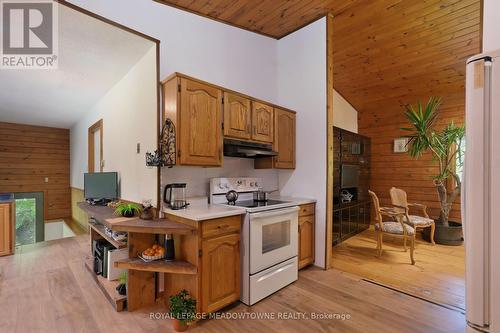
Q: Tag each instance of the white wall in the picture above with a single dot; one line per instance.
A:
(128, 112)
(302, 87)
(289, 72)
(197, 46)
(198, 178)
(491, 25)
(345, 116)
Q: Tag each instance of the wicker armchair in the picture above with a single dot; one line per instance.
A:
(394, 228)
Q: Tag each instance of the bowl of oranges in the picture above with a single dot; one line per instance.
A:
(155, 252)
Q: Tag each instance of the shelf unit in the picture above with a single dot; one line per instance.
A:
(160, 266)
(99, 228)
(107, 287)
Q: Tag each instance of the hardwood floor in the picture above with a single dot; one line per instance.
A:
(438, 275)
(44, 288)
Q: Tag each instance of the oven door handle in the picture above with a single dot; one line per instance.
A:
(275, 212)
(279, 270)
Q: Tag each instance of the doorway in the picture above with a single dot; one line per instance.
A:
(95, 147)
(29, 218)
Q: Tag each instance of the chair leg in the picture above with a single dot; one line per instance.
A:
(412, 248)
(404, 244)
(433, 230)
(380, 243)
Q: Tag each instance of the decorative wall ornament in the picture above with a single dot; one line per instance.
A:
(401, 145)
(165, 155)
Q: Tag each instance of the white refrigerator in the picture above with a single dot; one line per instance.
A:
(481, 193)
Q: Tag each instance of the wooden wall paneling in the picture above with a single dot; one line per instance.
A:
(29, 154)
(404, 53)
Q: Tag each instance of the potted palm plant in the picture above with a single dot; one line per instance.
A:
(182, 310)
(445, 148)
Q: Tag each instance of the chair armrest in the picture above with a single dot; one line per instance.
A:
(422, 207)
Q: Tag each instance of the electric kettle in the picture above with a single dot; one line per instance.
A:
(174, 196)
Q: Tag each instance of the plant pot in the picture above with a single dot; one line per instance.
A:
(122, 289)
(128, 214)
(179, 326)
(451, 235)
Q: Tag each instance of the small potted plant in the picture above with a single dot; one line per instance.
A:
(127, 209)
(122, 287)
(182, 310)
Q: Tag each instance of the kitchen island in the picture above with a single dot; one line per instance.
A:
(213, 283)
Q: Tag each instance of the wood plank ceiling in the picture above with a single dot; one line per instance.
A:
(275, 19)
(389, 53)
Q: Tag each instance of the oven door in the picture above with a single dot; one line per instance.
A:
(273, 237)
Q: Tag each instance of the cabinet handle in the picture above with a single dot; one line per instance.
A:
(224, 226)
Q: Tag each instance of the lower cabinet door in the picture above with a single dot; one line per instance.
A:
(306, 240)
(220, 279)
(5, 230)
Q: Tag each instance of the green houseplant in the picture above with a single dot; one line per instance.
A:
(182, 310)
(127, 209)
(122, 285)
(444, 146)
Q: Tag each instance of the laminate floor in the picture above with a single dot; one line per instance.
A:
(438, 275)
(45, 288)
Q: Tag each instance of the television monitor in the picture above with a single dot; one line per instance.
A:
(101, 185)
(350, 176)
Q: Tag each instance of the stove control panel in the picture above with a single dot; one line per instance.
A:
(223, 185)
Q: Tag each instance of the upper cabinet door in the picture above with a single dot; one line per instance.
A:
(262, 122)
(200, 124)
(237, 116)
(284, 139)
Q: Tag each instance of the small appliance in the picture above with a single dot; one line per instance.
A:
(174, 196)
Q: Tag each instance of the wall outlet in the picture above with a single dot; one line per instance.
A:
(46, 179)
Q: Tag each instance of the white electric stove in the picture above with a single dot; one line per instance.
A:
(269, 237)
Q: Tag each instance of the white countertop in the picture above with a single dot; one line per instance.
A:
(298, 201)
(204, 211)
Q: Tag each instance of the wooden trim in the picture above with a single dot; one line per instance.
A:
(215, 19)
(177, 74)
(481, 26)
(329, 143)
(98, 126)
(159, 125)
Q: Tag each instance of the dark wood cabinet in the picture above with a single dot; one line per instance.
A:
(351, 178)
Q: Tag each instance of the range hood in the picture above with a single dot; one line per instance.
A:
(237, 148)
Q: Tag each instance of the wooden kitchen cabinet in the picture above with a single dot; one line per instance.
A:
(6, 228)
(237, 116)
(215, 249)
(262, 122)
(196, 111)
(220, 280)
(307, 223)
(284, 139)
(284, 142)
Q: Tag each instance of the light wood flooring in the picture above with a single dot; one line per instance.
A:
(45, 288)
(438, 275)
